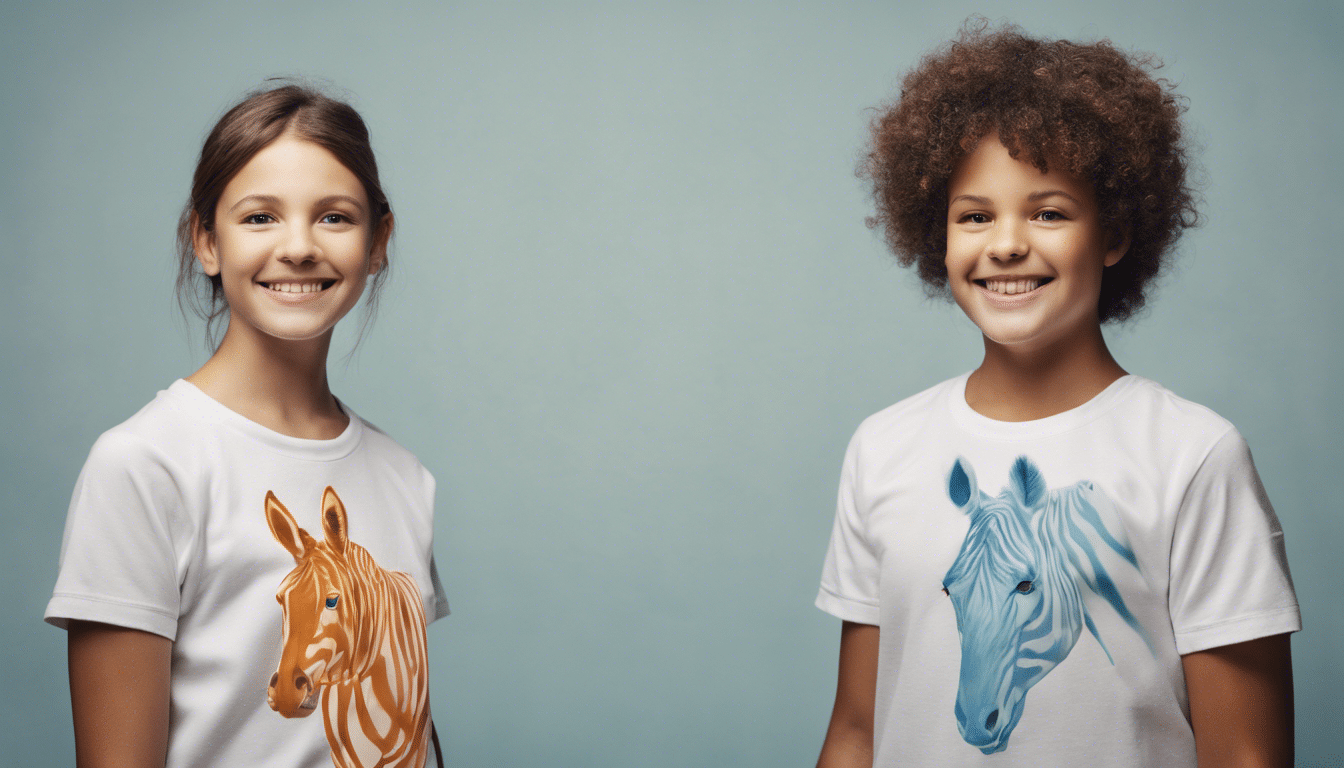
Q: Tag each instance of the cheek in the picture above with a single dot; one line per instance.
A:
(961, 252)
(350, 254)
(239, 257)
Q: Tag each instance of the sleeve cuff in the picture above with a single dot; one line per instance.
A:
(63, 608)
(847, 608)
(1265, 624)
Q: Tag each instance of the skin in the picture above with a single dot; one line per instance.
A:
(1241, 703)
(293, 213)
(120, 707)
(1045, 354)
(849, 738)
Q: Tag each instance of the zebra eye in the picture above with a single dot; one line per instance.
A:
(331, 601)
(1025, 587)
(945, 592)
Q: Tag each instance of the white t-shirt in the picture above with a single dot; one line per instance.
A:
(1082, 554)
(167, 533)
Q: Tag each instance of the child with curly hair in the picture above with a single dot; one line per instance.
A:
(1049, 561)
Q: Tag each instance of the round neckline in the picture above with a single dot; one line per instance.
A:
(298, 447)
(982, 425)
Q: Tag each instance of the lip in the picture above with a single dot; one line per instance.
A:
(295, 297)
(1013, 300)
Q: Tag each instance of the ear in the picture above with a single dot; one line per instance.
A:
(285, 530)
(1026, 483)
(1118, 249)
(382, 234)
(333, 520)
(203, 243)
(962, 488)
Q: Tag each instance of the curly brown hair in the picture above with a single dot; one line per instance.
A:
(1093, 109)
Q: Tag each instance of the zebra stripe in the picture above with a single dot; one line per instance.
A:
(365, 657)
(1017, 590)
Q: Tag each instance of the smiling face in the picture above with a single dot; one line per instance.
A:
(1025, 249)
(293, 242)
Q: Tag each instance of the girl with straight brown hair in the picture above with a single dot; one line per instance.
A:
(249, 483)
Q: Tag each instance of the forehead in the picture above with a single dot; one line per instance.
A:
(296, 170)
(991, 171)
(319, 571)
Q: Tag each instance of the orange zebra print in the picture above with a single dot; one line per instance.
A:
(354, 637)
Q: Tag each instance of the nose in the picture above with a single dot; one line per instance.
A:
(299, 246)
(301, 681)
(1009, 242)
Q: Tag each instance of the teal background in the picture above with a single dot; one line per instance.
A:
(634, 317)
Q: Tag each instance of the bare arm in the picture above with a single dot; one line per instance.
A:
(119, 691)
(1241, 704)
(849, 738)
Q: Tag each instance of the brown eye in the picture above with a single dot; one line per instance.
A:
(945, 592)
(1025, 587)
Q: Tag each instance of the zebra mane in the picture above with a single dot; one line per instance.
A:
(1073, 511)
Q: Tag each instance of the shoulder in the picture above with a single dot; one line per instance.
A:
(898, 433)
(908, 416)
(1174, 417)
(390, 453)
(163, 432)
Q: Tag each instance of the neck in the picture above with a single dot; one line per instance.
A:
(277, 383)
(1025, 383)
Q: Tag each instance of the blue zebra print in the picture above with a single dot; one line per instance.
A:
(1016, 587)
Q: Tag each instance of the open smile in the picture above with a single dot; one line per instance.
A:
(297, 286)
(1012, 286)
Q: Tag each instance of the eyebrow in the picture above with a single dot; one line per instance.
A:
(1033, 197)
(275, 201)
(978, 200)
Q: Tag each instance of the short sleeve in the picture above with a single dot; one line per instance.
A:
(850, 575)
(125, 526)
(1229, 570)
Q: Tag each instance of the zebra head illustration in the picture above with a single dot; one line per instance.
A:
(354, 640)
(1017, 589)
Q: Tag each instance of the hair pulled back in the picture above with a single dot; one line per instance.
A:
(251, 125)
(1093, 109)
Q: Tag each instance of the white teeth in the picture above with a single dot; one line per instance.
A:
(1010, 287)
(294, 287)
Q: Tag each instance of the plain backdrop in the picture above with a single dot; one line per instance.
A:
(634, 316)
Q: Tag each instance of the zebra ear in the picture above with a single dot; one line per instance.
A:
(333, 520)
(1026, 482)
(285, 529)
(961, 486)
